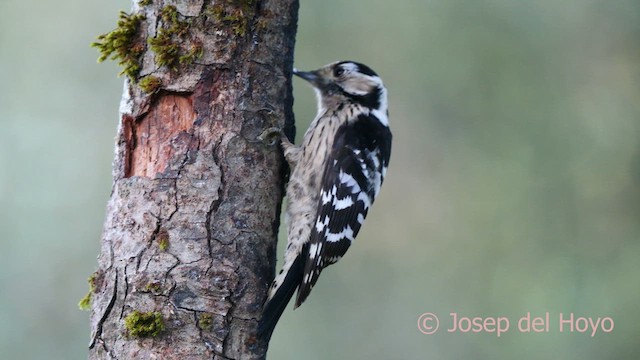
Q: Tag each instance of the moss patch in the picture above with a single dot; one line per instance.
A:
(124, 43)
(163, 244)
(233, 14)
(150, 84)
(205, 322)
(167, 51)
(153, 287)
(193, 54)
(144, 324)
(163, 239)
(85, 302)
(168, 44)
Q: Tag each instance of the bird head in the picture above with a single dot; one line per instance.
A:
(347, 81)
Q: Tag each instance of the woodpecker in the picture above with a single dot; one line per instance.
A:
(336, 174)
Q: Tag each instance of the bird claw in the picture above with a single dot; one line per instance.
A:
(270, 136)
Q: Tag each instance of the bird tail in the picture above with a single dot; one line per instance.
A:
(275, 306)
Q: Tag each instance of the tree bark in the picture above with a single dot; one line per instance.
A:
(188, 247)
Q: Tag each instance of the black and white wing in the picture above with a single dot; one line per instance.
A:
(352, 178)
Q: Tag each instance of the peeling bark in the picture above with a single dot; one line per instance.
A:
(191, 225)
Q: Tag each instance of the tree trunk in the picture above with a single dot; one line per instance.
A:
(188, 247)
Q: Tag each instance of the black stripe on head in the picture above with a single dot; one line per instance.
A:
(370, 100)
(362, 68)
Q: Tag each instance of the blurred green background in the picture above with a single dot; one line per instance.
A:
(514, 184)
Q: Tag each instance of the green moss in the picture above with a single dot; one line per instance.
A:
(166, 44)
(215, 11)
(193, 54)
(123, 44)
(150, 84)
(92, 281)
(144, 324)
(167, 51)
(163, 244)
(85, 302)
(169, 14)
(205, 322)
(145, 2)
(234, 15)
(163, 239)
(153, 287)
(237, 23)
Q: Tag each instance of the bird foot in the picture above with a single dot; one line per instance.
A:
(271, 136)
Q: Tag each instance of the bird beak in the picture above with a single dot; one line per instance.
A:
(311, 76)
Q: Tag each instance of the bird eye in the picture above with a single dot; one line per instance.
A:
(338, 72)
